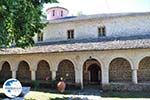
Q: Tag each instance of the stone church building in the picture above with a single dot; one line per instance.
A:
(87, 49)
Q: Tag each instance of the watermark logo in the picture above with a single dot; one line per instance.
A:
(12, 88)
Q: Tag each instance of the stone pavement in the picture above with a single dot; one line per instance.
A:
(86, 94)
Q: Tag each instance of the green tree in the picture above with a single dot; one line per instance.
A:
(20, 20)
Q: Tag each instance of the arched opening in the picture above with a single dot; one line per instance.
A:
(91, 72)
(94, 72)
(120, 70)
(23, 73)
(66, 71)
(5, 72)
(43, 71)
(144, 70)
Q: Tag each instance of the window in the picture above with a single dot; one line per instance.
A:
(70, 34)
(53, 13)
(40, 37)
(61, 13)
(101, 31)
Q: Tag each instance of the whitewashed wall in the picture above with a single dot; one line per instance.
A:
(118, 26)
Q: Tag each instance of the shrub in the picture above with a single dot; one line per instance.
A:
(35, 84)
(53, 83)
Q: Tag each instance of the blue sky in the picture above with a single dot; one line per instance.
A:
(103, 6)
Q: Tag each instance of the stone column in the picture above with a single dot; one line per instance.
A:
(33, 69)
(79, 77)
(53, 75)
(33, 75)
(89, 74)
(78, 70)
(14, 69)
(105, 76)
(134, 76)
(14, 74)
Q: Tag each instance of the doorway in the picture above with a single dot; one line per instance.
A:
(94, 73)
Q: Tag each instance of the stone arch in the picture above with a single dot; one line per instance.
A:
(66, 70)
(120, 70)
(43, 71)
(29, 63)
(23, 72)
(91, 71)
(5, 72)
(144, 70)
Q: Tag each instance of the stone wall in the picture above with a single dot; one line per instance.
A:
(120, 71)
(144, 70)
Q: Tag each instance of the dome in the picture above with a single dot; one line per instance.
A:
(56, 12)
